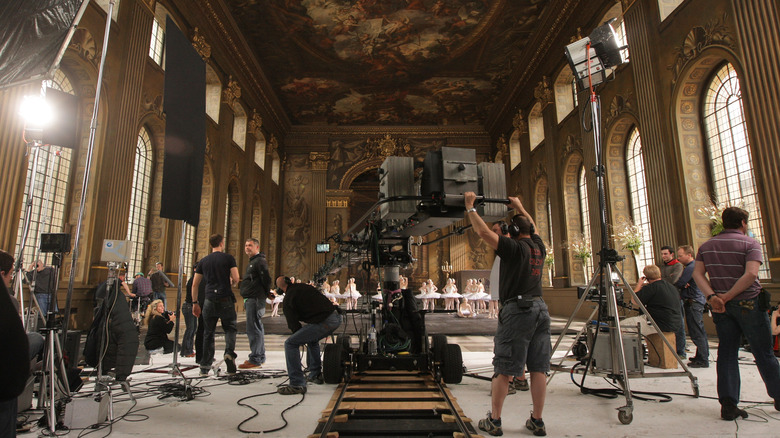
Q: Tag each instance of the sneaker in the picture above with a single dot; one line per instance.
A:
(247, 365)
(491, 426)
(316, 379)
(522, 385)
(536, 426)
(730, 412)
(511, 390)
(230, 363)
(204, 372)
(290, 390)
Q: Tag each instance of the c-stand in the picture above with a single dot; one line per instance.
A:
(608, 315)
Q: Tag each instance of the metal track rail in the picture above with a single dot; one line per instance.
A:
(393, 403)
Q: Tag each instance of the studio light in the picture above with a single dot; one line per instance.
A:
(593, 58)
(36, 112)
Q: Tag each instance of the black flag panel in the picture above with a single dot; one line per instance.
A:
(32, 34)
(185, 128)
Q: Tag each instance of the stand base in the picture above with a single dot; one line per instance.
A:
(86, 411)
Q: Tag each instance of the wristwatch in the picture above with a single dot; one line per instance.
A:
(195, 302)
(472, 210)
(709, 296)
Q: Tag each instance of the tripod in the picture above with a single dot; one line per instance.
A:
(53, 366)
(604, 274)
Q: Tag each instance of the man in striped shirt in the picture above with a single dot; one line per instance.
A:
(732, 259)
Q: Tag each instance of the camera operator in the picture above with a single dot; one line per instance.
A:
(160, 323)
(523, 334)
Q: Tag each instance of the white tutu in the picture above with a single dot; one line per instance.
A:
(480, 296)
(432, 295)
(450, 293)
(377, 297)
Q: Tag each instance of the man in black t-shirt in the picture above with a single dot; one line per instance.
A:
(304, 303)
(523, 334)
(220, 273)
(661, 299)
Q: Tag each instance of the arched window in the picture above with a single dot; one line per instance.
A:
(275, 167)
(514, 149)
(213, 93)
(565, 94)
(536, 126)
(616, 12)
(260, 150)
(157, 42)
(189, 248)
(50, 187)
(640, 210)
(666, 7)
(729, 149)
(585, 217)
(239, 125)
(139, 200)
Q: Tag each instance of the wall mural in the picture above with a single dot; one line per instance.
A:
(297, 225)
(416, 62)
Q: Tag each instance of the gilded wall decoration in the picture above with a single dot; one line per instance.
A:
(319, 160)
(520, 123)
(573, 144)
(619, 105)
(543, 92)
(540, 171)
(84, 44)
(231, 93)
(201, 46)
(502, 150)
(255, 123)
(714, 33)
(479, 250)
(297, 226)
(152, 104)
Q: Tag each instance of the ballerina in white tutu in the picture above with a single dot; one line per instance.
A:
(278, 298)
(422, 295)
(351, 294)
(465, 310)
(378, 295)
(431, 295)
(335, 291)
(480, 297)
(450, 294)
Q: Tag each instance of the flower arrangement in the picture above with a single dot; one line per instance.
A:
(629, 236)
(714, 212)
(549, 259)
(580, 248)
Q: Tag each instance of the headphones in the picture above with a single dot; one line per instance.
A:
(287, 281)
(503, 226)
(514, 229)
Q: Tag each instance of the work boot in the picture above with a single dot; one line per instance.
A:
(729, 412)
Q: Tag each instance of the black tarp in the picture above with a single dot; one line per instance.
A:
(185, 128)
(32, 32)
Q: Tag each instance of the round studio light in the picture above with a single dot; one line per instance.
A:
(36, 112)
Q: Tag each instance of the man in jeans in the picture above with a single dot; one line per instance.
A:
(693, 306)
(190, 320)
(254, 289)
(304, 303)
(159, 282)
(220, 273)
(732, 260)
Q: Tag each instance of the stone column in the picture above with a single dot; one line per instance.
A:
(653, 127)
(553, 153)
(758, 31)
(12, 155)
(319, 226)
(135, 19)
(519, 179)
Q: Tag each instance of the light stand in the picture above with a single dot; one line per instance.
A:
(87, 168)
(607, 294)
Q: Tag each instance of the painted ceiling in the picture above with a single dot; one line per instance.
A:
(387, 62)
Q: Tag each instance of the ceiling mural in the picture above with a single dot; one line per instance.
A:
(411, 62)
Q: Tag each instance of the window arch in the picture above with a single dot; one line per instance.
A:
(260, 150)
(536, 126)
(565, 89)
(515, 157)
(157, 41)
(50, 187)
(585, 217)
(731, 163)
(543, 223)
(239, 125)
(640, 210)
(213, 93)
(139, 200)
(616, 13)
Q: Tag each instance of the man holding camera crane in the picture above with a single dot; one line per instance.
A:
(523, 334)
